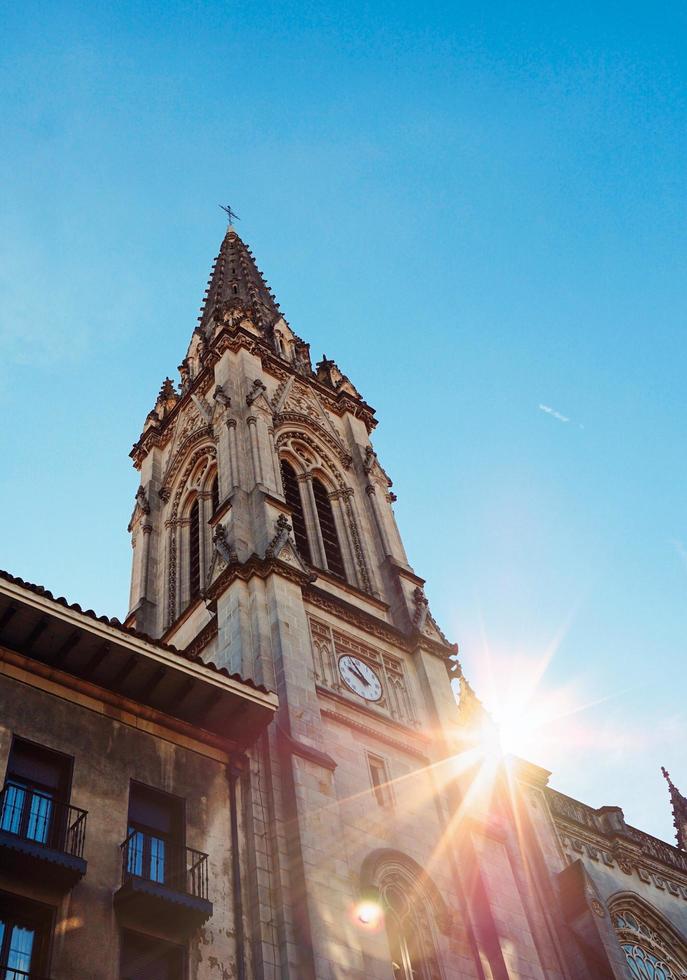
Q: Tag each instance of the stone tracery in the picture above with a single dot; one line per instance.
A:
(652, 948)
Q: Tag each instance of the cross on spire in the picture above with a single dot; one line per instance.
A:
(231, 215)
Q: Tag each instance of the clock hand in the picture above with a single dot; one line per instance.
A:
(360, 674)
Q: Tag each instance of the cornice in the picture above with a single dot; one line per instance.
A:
(403, 744)
(375, 627)
(254, 566)
(655, 861)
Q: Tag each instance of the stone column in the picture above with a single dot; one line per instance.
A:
(255, 448)
(146, 530)
(312, 521)
(379, 520)
(344, 533)
(233, 457)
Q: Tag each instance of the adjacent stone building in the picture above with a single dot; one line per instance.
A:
(265, 772)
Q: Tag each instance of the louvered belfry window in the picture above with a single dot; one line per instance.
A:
(330, 538)
(194, 552)
(292, 495)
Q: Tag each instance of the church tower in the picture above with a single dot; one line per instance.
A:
(264, 540)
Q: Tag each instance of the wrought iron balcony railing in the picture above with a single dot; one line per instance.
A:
(12, 973)
(41, 820)
(181, 869)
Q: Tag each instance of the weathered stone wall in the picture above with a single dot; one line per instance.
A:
(107, 754)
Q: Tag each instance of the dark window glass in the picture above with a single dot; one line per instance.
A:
(330, 538)
(35, 780)
(380, 780)
(292, 495)
(155, 836)
(146, 958)
(24, 937)
(194, 552)
(215, 494)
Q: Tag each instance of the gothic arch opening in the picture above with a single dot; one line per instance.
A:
(294, 502)
(413, 910)
(653, 949)
(194, 499)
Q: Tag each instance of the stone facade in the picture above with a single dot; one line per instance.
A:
(357, 822)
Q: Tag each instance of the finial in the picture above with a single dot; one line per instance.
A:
(679, 805)
(231, 215)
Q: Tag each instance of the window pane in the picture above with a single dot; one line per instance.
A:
(19, 955)
(135, 853)
(12, 806)
(330, 538)
(157, 859)
(292, 496)
(40, 810)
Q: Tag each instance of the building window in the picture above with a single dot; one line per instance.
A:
(651, 949)
(214, 491)
(194, 552)
(155, 837)
(145, 958)
(330, 538)
(24, 937)
(332, 560)
(292, 495)
(36, 782)
(413, 908)
(379, 777)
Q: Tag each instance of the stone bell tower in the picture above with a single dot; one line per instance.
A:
(264, 540)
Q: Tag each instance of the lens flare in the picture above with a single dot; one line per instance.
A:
(369, 914)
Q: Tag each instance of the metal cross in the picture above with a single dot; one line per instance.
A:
(230, 214)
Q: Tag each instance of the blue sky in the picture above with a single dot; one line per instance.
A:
(477, 210)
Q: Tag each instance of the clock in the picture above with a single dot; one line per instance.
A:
(360, 678)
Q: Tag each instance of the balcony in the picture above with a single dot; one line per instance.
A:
(40, 836)
(164, 884)
(12, 973)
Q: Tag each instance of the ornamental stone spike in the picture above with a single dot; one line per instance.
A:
(679, 805)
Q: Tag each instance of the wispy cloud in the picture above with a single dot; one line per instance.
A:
(552, 412)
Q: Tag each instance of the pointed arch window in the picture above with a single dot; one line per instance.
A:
(330, 538)
(414, 912)
(194, 551)
(652, 950)
(413, 956)
(292, 495)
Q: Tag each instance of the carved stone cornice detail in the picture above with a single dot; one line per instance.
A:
(377, 732)
(373, 626)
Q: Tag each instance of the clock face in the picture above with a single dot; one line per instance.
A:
(360, 677)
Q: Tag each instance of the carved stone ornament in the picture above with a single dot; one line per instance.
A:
(142, 500)
(223, 546)
(597, 908)
(219, 395)
(421, 608)
(623, 859)
(283, 530)
(255, 392)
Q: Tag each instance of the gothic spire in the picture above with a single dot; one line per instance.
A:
(236, 281)
(679, 804)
